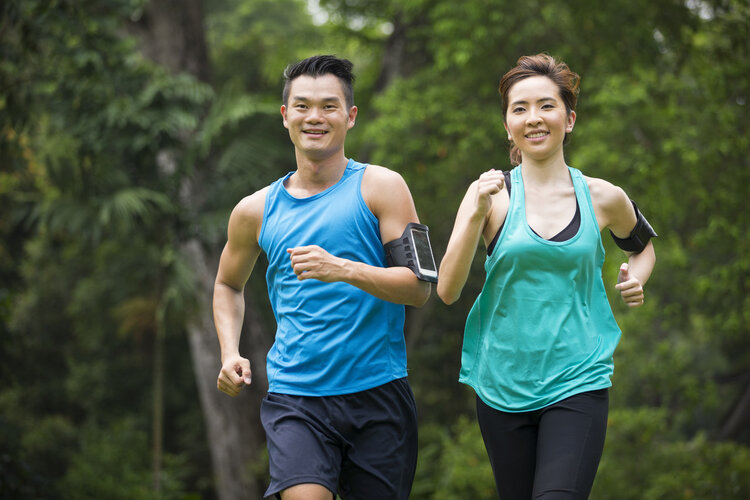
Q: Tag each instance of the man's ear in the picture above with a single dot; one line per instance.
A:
(283, 115)
(352, 116)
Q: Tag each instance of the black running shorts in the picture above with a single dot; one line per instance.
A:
(361, 446)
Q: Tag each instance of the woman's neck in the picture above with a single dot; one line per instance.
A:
(546, 173)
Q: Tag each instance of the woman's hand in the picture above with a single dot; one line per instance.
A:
(630, 287)
(489, 183)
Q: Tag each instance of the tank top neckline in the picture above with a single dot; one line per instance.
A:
(522, 207)
(282, 184)
(567, 233)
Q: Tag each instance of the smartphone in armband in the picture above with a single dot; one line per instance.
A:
(413, 250)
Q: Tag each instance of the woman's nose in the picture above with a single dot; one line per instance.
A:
(533, 117)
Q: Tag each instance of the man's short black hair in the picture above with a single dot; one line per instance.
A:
(320, 65)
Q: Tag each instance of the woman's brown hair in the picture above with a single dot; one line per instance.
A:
(540, 65)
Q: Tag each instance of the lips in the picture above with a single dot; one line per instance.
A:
(537, 134)
(317, 133)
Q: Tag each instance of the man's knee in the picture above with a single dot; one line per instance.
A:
(307, 491)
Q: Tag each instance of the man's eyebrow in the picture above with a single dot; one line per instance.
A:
(324, 99)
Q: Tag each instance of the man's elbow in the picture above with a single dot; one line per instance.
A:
(221, 286)
(422, 296)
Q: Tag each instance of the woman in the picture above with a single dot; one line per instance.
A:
(540, 337)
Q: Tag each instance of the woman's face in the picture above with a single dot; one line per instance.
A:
(536, 119)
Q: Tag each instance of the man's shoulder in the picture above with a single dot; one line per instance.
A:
(251, 206)
(382, 176)
(385, 192)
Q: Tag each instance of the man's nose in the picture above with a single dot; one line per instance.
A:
(315, 114)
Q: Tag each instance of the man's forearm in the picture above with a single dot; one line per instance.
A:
(229, 311)
(394, 284)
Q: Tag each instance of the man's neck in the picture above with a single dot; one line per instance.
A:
(314, 176)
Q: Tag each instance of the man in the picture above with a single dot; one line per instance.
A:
(339, 416)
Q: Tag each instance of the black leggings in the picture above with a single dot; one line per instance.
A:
(552, 453)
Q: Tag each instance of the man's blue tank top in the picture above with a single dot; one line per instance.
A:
(542, 328)
(331, 338)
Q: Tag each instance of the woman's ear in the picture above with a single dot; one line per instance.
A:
(571, 122)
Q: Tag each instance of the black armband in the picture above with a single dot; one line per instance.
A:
(639, 236)
(413, 250)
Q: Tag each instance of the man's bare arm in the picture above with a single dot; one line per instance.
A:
(389, 199)
(235, 266)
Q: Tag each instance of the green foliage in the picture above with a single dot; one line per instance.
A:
(110, 465)
(465, 469)
(453, 463)
(667, 467)
(252, 41)
(93, 189)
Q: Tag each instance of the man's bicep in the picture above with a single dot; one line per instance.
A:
(397, 210)
(242, 248)
(236, 264)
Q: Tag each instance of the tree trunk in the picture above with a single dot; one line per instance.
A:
(157, 417)
(391, 65)
(232, 424)
(736, 422)
(171, 33)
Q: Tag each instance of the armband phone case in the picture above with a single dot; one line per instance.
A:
(413, 250)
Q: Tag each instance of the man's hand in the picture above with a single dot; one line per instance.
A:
(630, 287)
(234, 375)
(312, 262)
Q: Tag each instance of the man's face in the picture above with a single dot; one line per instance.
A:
(316, 116)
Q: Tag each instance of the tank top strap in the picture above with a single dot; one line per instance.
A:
(516, 201)
(584, 196)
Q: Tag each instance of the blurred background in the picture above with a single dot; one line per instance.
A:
(129, 129)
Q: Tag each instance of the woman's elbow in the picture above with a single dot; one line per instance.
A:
(447, 296)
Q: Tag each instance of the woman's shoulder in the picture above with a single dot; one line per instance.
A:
(611, 204)
(604, 193)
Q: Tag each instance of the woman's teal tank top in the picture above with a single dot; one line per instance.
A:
(541, 329)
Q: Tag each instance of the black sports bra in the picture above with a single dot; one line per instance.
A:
(570, 230)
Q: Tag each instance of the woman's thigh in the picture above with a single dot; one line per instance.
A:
(570, 443)
(511, 442)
